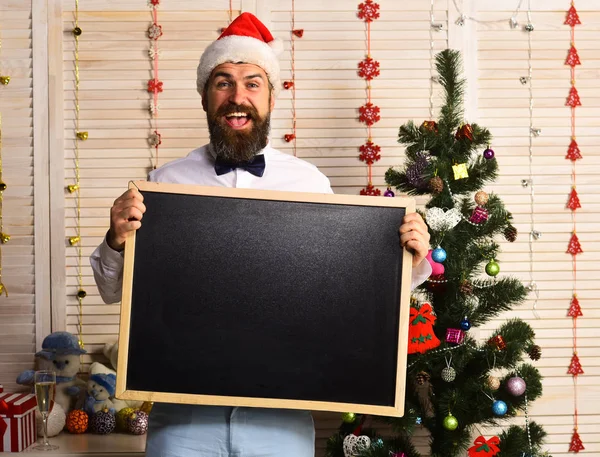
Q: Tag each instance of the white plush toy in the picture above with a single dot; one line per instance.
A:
(60, 353)
(100, 388)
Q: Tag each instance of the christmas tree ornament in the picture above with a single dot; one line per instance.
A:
(155, 31)
(368, 69)
(536, 235)
(466, 287)
(535, 131)
(348, 418)
(572, 58)
(460, 171)
(77, 421)
(368, 11)
(288, 85)
(529, 27)
(574, 245)
(439, 220)
(510, 233)
(4, 80)
(492, 268)
(82, 136)
(4, 238)
(436, 185)
(354, 445)
(513, 22)
(421, 337)
(479, 215)
(573, 153)
(493, 382)
(572, 17)
(488, 154)
(155, 139)
(497, 342)
(77, 31)
(2, 186)
(369, 114)
(122, 417)
(81, 294)
(464, 132)
(455, 336)
(573, 99)
(576, 443)
(465, 324)
(499, 408)
(298, 33)
(450, 422)
(516, 386)
(370, 190)
(389, 193)
(437, 268)
(422, 377)
(289, 137)
(575, 308)
(448, 373)
(155, 86)
(369, 153)
(72, 188)
(575, 368)
(429, 126)
(137, 423)
(438, 254)
(574, 202)
(534, 352)
(481, 198)
(419, 420)
(485, 448)
(398, 454)
(415, 172)
(103, 422)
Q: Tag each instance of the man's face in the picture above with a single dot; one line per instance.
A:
(238, 103)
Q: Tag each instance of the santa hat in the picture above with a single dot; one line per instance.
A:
(246, 40)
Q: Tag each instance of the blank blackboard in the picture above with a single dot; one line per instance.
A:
(260, 298)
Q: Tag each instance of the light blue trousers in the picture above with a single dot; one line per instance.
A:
(215, 431)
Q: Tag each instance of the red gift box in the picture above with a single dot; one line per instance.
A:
(17, 421)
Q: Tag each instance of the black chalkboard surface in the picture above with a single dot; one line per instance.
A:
(260, 298)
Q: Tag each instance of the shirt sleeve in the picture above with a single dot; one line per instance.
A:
(107, 265)
(420, 273)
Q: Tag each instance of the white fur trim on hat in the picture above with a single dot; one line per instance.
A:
(239, 49)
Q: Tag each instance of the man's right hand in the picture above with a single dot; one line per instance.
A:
(125, 217)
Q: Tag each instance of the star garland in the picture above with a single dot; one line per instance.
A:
(155, 85)
(291, 85)
(4, 238)
(369, 114)
(75, 189)
(574, 248)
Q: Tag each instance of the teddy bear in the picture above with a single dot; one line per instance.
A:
(60, 353)
(100, 388)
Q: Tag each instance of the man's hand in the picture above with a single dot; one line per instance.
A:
(414, 236)
(125, 216)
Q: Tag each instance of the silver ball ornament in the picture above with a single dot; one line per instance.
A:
(516, 386)
(448, 374)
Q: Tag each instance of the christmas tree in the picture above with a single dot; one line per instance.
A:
(455, 383)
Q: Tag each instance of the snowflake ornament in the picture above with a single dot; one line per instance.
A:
(155, 86)
(369, 114)
(368, 69)
(154, 52)
(154, 109)
(155, 32)
(370, 190)
(154, 4)
(369, 153)
(368, 11)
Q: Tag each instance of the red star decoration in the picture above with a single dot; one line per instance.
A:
(573, 153)
(368, 11)
(575, 309)
(575, 366)
(576, 444)
(155, 86)
(573, 98)
(369, 114)
(572, 17)
(574, 245)
(572, 57)
(573, 200)
(370, 190)
(369, 153)
(368, 69)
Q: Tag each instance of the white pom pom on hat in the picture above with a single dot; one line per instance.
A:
(246, 40)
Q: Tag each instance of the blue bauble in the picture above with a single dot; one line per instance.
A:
(465, 324)
(499, 408)
(438, 255)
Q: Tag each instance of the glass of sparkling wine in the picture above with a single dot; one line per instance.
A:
(45, 388)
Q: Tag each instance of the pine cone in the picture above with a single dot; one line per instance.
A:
(466, 288)
(436, 185)
(422, 377)
(535, 352)
(510, 233)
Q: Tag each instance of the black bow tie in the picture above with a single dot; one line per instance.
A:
(256, 166)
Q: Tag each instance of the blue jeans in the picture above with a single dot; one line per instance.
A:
(216, 431)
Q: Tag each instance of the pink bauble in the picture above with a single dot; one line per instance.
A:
(436, 268)
(516, 386)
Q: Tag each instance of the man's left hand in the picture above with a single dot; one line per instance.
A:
(414, 236)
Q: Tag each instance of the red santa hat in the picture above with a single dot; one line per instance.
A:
(246, 40)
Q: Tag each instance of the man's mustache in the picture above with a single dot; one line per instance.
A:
(235, 108)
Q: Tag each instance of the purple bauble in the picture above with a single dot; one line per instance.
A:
(516, 386)
(415, 172)
(389, 193)
(488, 153)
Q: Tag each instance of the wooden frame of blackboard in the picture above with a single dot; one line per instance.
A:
(396, 406)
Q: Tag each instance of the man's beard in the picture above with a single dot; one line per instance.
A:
(236, 146)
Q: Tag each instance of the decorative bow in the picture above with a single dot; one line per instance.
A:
(485, 448)
(256, 166)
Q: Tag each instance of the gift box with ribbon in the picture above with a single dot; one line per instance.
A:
(17, 421)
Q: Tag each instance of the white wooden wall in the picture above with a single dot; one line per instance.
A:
(38, 131)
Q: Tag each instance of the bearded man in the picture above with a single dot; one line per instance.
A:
(238, 79)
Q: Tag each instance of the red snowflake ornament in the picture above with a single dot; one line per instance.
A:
(572, 17)
(154, 3)
(485, 448)
(369, 114)
(573, 153)
(574, 202)
(155, 32)
(370, 190)
(155, 139)
(368, 69)
(574, 245)
(575, 366)
(369, 153)
(576, 444)
(155, 86)
(573, 98)
(575, 309)
(368, 11)
(572, 57)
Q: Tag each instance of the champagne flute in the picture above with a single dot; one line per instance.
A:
(45, 388)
